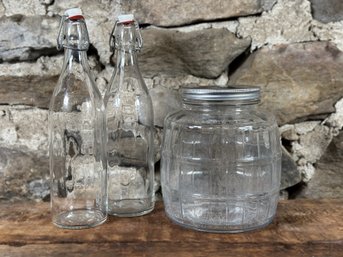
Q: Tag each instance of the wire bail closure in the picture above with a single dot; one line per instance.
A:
(61, 34)
(139, 40)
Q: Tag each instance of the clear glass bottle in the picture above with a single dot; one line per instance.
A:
(221, 161)
(130, 128)
(77, 134)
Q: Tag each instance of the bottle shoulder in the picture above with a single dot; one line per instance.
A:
(128, 92)
(71, 92)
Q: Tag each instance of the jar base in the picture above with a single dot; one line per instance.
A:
(130, 208)
(79, 219)
(220, 229)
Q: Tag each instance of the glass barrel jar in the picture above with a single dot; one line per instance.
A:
(221, 161)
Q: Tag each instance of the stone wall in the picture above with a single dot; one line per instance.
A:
(292, 49)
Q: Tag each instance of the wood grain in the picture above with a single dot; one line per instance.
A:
(301, 228)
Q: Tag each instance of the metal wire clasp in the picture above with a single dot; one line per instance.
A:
(82, 34)
(139, 40)
(61, 35)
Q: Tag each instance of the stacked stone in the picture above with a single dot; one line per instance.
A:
(291, 49)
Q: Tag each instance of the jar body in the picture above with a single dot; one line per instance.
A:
(221, 168)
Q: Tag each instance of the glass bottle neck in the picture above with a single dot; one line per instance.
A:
(126, 58)
(72, 56)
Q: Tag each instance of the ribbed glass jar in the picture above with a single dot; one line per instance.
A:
(221, 161)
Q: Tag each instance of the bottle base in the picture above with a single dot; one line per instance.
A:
(130, 208)
(221, 229)
(79, 219)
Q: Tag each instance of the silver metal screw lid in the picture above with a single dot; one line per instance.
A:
(239, 95)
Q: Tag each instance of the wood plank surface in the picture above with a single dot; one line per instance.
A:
(301, 228)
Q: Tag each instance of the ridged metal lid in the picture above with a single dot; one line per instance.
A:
(242, 95)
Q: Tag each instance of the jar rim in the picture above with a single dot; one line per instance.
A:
(234, 94)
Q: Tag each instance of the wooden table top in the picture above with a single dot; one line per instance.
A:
(301, 228)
